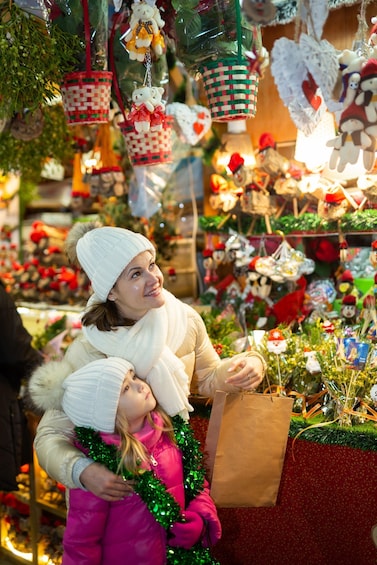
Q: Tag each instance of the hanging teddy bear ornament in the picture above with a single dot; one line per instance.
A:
(147, 111)
(144, 34)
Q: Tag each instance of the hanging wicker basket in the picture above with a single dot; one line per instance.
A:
(86, 97)
(231, 89)
(86, 94)
(148, 148)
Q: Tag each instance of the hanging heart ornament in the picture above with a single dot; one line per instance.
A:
(192, 122)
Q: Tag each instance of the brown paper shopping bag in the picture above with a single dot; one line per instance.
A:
(245, 447)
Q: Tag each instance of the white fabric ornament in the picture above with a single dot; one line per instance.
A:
(193, 122)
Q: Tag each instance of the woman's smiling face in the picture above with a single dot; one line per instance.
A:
(139, 287)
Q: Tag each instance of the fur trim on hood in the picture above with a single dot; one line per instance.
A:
(45, 385)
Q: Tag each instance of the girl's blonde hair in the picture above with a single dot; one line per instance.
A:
(133, 452)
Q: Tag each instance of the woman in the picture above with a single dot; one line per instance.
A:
(131, 316)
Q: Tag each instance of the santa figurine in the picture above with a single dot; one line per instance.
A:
(276, 342)
(348, 309)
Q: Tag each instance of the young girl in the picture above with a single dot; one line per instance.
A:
(169, 516)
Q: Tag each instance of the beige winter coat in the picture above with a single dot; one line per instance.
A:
(206, 372)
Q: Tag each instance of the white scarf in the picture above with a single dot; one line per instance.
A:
(150, 345)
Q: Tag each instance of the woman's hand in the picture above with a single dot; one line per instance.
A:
(103, 483)
(248, 372)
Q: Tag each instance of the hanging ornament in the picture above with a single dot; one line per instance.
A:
(80, 188)
(258, 12)
(146, 128)
(106, 178)
(343, 248)
(144, 34)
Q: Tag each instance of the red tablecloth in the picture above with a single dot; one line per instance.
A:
(326, 507)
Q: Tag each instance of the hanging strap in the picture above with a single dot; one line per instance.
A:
(113, 67)
(85, 8)
(239, 31)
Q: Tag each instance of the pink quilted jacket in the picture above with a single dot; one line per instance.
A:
(115, 533)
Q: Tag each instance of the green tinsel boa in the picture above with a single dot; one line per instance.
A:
(152, 491)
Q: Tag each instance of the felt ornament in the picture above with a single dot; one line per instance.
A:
(258, 12)
(334, 204)
(312, 364)
(368, 90)
(276, 342)
(352, 139)
(348, 309)
(144, 34)
(350, 64)
(192, 122)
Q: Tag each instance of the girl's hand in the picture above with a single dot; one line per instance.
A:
(248, 373)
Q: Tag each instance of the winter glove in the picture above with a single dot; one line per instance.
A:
(188, 533)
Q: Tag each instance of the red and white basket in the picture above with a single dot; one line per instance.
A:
(86, 97)
(148, 148)
(231, 89)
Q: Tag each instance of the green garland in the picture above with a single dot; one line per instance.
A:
(358, 437)
(152, 491)
(359, 221)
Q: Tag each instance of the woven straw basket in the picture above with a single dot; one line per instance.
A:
(231, 89)
(148, 148)
(86, 97)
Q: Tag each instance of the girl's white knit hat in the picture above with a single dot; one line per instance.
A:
(91, 394)
(104, 253)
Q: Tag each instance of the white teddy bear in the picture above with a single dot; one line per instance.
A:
(147, 110)
(142, 108)
(145, 31)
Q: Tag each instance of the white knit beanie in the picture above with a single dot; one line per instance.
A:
(105, 252)
(91, 394)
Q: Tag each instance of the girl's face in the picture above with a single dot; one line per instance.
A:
(139, 287)
(135, 402)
